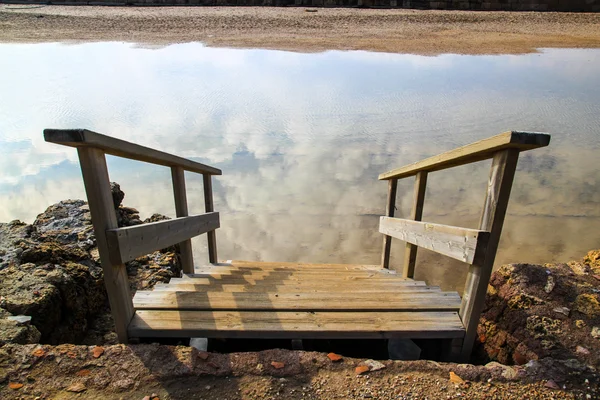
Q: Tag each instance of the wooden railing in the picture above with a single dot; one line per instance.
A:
(476, 247)
(119, 245)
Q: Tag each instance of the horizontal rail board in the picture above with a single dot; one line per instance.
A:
(189, 287)
(473, 152)
(126, 244)
(467, 245)
(289, 301)
(122, 148)
(296, 325)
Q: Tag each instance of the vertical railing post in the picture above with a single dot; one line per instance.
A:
(102, 209)
(502, 173)
(390, 207)
(181, 210)
(209, 207)
(410, 254)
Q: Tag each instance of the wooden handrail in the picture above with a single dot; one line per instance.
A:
(476, 247)
(467, 245)
(122, 148)
(473, 152)
(119, 245)
(126, 244)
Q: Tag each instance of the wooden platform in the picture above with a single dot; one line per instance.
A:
(300, 301)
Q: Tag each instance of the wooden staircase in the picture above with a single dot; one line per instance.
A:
(243, 299)
(296, 301)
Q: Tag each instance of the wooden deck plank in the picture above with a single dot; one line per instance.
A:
(295, 276)
(296, 325)
(293, 280)
(183, 287)
(300, 268)
(289, 272)
(288, 301)
(264, 264)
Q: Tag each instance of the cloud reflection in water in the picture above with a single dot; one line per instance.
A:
(301, 139)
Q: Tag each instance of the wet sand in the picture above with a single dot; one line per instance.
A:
(297, 29)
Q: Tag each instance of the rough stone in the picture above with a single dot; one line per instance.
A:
(12, 331)
(523, 321)
(50, 271)
(587, 304)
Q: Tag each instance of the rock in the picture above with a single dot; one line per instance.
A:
(15, 385)
(454, 378)
(542, 327)
(519, 358)
(97, 351)
(587, 304)
(596, 332)
(582, 350)
(524, 301)
(50, 272)
(20, 319)
(550, 283)
(374, 365)
(199, 343)
(592, 259)
(77, 387)
(117, 194)
(361, 369)
(524, 320)
(562, 310)
(552, 385)
(334, 357)
(12, 331)
(277, 365)
(509, 373)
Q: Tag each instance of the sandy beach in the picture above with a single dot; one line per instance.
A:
(306, 30)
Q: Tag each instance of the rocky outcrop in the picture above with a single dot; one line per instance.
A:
(50, 270)
(538, 311)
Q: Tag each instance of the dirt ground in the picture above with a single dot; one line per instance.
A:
(302, 29)
(168, 372)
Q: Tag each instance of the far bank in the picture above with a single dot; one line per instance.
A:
(427, 32)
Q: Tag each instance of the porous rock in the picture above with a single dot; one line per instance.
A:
(50, 270)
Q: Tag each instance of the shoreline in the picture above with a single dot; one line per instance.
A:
(425, 32)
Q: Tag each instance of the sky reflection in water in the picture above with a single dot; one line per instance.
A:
(301, 139)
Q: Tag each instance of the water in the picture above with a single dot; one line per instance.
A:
(301, 139)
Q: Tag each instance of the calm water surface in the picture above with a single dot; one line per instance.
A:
(301, 139)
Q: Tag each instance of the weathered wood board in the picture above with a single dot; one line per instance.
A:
(296, 325)
(467, 245)
(477, 151)
(376, 301)
(128, 243)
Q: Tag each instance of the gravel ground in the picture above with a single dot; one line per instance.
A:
(167, 372)
(405, 31)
